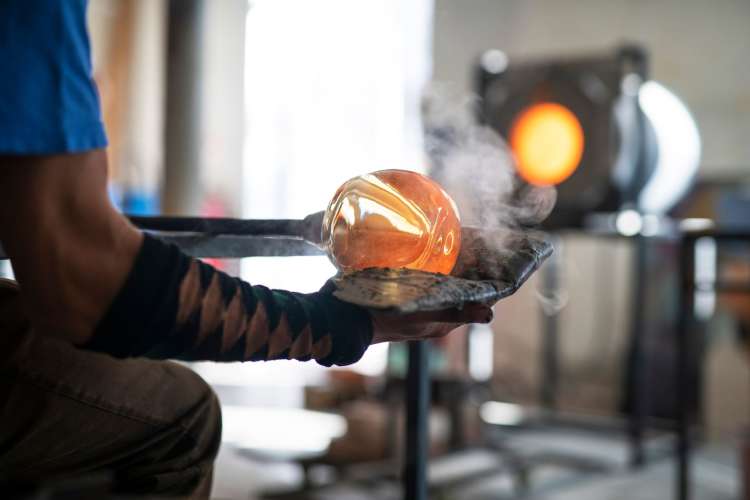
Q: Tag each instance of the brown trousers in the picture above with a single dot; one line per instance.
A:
(65, 412)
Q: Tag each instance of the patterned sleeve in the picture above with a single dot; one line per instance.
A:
(173, 306)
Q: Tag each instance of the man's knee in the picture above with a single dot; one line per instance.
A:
(180, 458)
(207, 425)
(203, 433)
(201, 419)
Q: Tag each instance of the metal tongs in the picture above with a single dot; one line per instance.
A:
(493, 264)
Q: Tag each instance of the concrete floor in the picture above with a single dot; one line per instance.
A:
(714, 476)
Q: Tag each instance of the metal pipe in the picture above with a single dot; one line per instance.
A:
(182, 189)
(550, 332)
(417, 422)
(257, 227)
(684, 322)
(639, 392)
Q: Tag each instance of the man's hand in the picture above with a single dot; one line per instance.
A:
(425, 325)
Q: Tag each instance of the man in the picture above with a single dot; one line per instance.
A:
(97, 296)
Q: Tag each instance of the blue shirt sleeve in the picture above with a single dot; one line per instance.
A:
(48, 98)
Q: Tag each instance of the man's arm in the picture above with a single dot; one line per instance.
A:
(90, 277)
(87, 275)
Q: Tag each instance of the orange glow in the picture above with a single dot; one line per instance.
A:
(547, 140)
(392, 218)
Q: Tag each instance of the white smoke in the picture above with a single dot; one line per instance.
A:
(476, 167)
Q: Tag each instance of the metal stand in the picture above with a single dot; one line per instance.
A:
(639, 386)
(550, 342)
(683, 356)
(685, 321)
(685, 314)
(417, 422)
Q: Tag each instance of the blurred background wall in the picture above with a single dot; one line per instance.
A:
(698, 48)
(147, 116)
(128, 40)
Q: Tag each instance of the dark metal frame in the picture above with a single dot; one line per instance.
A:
(417, 422)
(549, 364)
(685, 312)
(685, 319)
(685, 242)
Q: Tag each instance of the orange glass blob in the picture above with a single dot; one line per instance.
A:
(392, 218)
(547, 140)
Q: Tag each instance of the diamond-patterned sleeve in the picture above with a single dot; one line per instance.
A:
(173, 306)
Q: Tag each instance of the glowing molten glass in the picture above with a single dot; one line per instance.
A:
(392, 218)
(547, 140)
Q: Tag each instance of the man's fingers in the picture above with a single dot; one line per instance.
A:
(470, 313)
(475, 313)
(421, 325)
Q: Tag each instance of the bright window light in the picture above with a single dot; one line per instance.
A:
(481, 340)
(280, 432)
(499, 413)
(333, 90)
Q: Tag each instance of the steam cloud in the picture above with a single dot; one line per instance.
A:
(475, 166)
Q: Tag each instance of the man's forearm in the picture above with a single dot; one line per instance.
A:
(189, 310)
(88, 276)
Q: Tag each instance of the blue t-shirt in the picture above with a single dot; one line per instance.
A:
(48, 99)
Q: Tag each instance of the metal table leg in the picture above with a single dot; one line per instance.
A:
(550, 342)
(417, 422)
(685, 314)
(639, 385)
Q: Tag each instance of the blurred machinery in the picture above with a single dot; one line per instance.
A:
(622, 151)
(595, 127)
